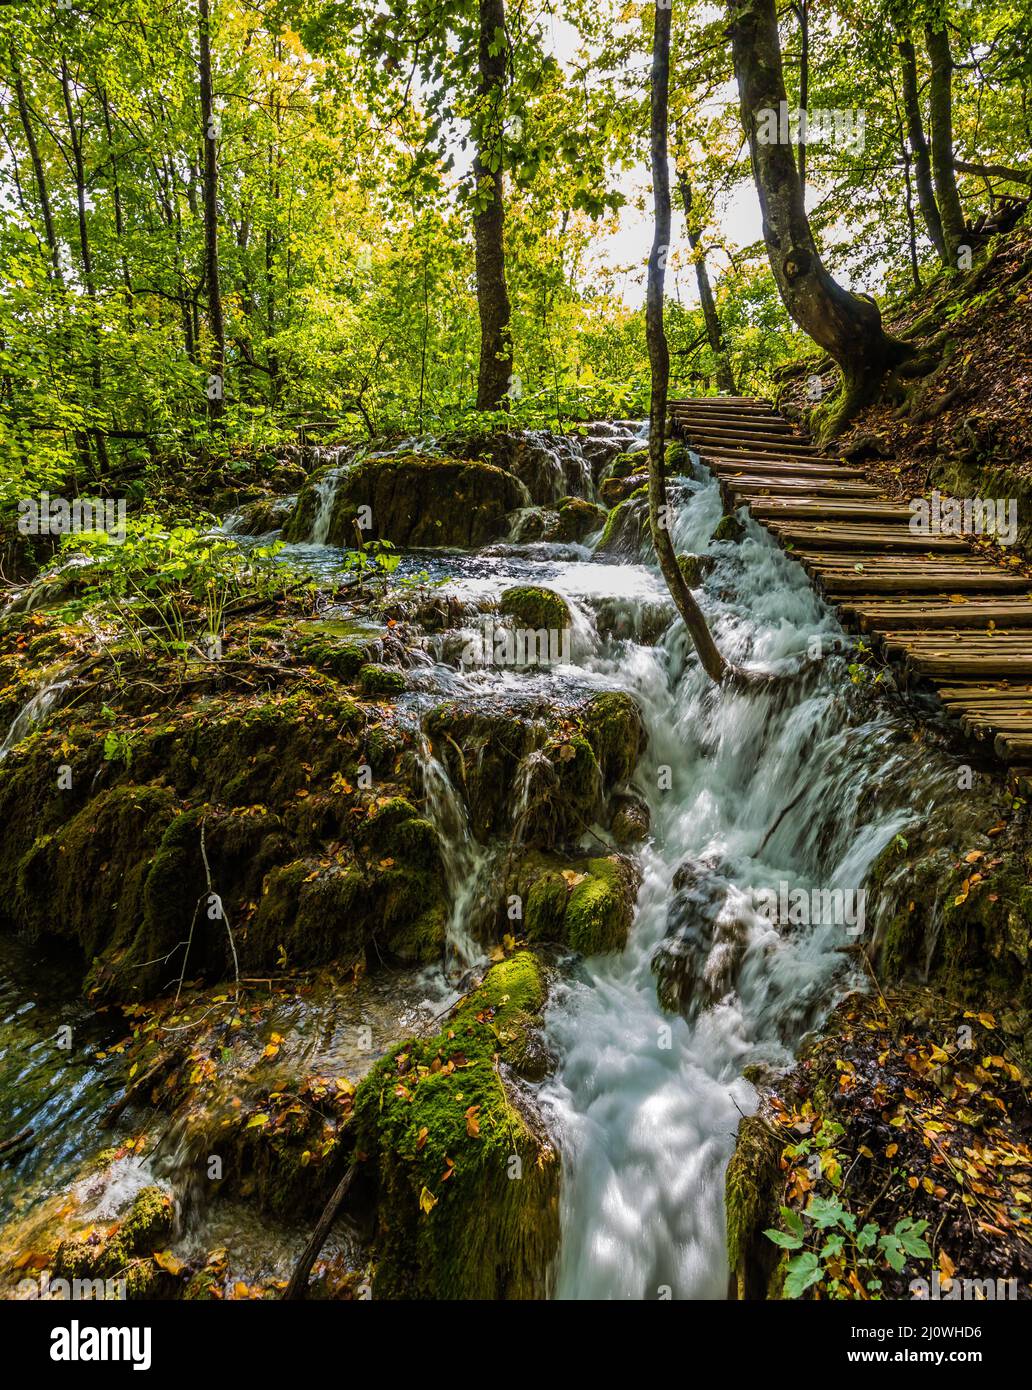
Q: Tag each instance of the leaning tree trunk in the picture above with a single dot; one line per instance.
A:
(659, 360)
(210, 185)
(714, 332)
(940, 119)
(848, 327)
(495, 372)
(919, 149)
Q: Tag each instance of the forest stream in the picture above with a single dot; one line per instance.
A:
(644, 1097)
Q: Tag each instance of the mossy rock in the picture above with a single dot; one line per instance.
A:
(414, 500)
(729, 528)
(615, 490)
(630, 820)
(577, 519)
(586, 905)
(625, 529)
(466, 1182)
(752, 1189)
(123, 1253)
(533, 607)
(374, 679)
(613, 726)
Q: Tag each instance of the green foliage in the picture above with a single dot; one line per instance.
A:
(839, 1258)
(171, 588)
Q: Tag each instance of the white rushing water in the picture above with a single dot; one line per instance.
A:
(644, 1104)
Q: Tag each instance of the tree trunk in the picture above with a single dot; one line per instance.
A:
(940, 120)
(495, 372)
(803, 15)
(79, 170)
(919, 149)
(725, 376)
(210, 176)
(659, 360)
(37, 169)
(847, 326)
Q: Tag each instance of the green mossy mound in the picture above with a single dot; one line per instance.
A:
(585, 904)
(302, 860)
(533, 607)
(576, 520)
(466, 1186)
(625, 530)
(376, 679)
(414, 500)
(126, 1252)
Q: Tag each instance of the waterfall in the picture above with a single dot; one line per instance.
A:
(325, 491)
(467, 864)
(752, 789)
(31, 713)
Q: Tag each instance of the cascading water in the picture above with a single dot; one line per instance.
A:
(35, 709)
(801, 783)
(760, 788)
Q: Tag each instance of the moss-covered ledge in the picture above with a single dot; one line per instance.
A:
(466, 1181)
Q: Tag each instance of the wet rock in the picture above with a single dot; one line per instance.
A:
(445, 1130)
(259, 517)
(625, 529)
(752, 1190)
(615, 490)
(577, 519)
(729, 528)
(694, 568)
(631, 819)
(412, 500)
(698, 961)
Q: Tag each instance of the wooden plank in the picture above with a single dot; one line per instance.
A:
(946, 615)
(829, 510)
(846, 537)
(788, 488)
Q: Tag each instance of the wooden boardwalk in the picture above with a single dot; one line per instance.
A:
(931, 604)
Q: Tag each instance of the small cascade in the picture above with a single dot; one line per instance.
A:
(467, 864)
(325, 491)
(33, 712)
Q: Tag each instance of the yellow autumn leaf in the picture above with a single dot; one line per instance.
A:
(427, 1201)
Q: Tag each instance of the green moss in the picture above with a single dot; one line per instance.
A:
(613, 726)
(586, 905)
(751, 1192)
(122, 1253)
(678, 459)
(625, 528)
(380, 680)
(534, 607)
(599, 913)
(448, 1145)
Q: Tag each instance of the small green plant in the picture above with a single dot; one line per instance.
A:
(169, 585)
(839, 1258)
